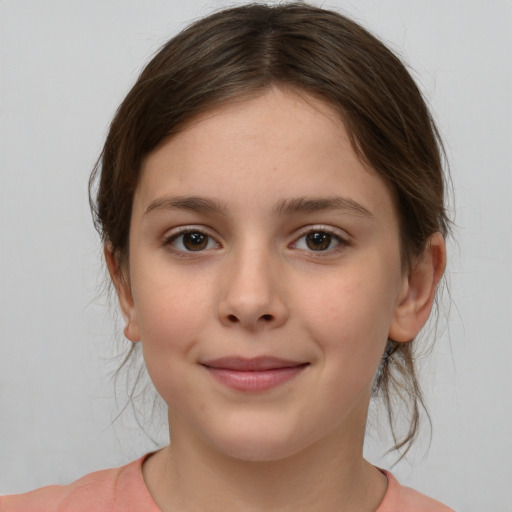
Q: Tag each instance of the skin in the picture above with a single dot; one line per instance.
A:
(259, 286)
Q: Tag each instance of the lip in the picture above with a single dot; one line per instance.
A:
(253, 374)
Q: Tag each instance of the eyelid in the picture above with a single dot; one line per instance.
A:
(341, 233)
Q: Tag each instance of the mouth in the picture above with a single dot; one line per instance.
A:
(253, 374)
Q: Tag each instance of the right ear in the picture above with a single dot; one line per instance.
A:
(121, 282)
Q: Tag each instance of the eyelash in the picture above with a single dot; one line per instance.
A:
(341, 242)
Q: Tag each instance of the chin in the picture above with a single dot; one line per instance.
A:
(260, 446)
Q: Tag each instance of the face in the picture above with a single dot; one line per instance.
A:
(264, 278)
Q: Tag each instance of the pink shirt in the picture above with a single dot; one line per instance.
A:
(123, 489)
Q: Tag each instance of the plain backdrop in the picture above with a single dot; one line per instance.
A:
(64, 68)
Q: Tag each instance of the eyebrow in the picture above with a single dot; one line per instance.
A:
(315, 204)
(283, 207)
(193, 203)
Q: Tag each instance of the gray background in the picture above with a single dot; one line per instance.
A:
(64, 68)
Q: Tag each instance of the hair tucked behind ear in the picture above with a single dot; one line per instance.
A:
(396, 383)
(238, 53)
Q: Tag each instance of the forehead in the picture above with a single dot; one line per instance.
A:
(277, 145)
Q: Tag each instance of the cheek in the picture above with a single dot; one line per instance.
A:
(349, 319)
(169, 332)
(171, 312)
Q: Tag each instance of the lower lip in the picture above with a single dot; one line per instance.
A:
(261, 380)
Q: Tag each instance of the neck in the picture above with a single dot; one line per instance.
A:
(185, 476)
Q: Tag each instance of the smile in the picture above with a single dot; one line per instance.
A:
(256, 374)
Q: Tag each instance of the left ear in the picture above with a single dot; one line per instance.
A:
(418, 291)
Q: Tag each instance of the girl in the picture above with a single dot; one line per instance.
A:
(271, 201)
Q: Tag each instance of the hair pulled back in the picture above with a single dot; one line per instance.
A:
(239, 53)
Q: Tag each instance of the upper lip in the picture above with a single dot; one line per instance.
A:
(253, 364)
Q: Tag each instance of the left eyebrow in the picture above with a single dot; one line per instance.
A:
(315, 204)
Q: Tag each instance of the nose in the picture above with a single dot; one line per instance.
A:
(252, 291)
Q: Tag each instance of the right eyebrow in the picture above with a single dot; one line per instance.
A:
(193, 203)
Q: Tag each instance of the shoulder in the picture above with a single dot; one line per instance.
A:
(109, 490)
(399, 498)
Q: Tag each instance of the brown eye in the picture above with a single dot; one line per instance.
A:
(195, 241)
(318, 241)
(191, 241)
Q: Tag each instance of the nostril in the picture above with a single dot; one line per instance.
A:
(233, 319)
(267, 318)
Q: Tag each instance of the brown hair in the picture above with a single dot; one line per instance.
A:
(240, 52)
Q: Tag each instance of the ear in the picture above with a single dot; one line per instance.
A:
(418, 291)
(121, 282)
